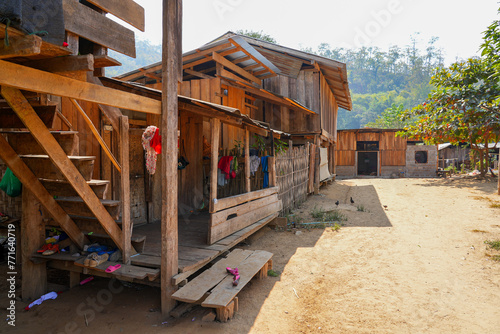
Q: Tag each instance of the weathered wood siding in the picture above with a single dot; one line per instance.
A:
(346, 148)
(304, 89)
(329, 109)
(393, 149)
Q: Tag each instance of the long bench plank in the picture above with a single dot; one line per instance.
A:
(196, 289)
(225, 292)
(222, 230)
(228, 202)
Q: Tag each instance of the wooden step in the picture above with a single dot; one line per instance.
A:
(9, 119)
(62, 188)
(76, 206)
(24, 143)
(43, 167)
(128, 271)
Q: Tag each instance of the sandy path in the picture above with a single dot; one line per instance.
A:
(416, 268)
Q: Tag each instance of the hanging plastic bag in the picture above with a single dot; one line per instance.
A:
(11, 184)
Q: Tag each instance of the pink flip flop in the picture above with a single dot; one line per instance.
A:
(110, 269)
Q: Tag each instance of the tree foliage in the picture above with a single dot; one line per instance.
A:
(461, 108)
(380, 79)
(258, 35)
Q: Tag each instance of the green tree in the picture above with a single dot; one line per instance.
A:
(461, 108)
(391, 118)
(258, 35)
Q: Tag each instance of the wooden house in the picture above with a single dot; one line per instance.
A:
(73, 139)
(288, 90)
(382, 153)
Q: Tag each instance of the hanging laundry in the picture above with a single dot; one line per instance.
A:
(221, 178)
(225, 165)
(264, 162)
(254, 164)
(234, 167)
(151, 142)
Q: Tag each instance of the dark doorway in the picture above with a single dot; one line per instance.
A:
(367, 163)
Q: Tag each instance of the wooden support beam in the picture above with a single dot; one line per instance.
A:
(214, 144)
(317, 164)
(34, 278)
(210, 113)
(26, 78)
(171, 75)
(229, 65)
(271, 165)
(127, 10)
(247, 162)
(22, 46)
(33, 185)
(42, 135)
(124, 148)
(198, 74)
(197, 62)
(63, 64)
(97, 28)
(200, 53)
(105, 147)
(113, 114)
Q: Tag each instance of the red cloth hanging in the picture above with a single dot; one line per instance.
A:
(225, 165)
(155, 142)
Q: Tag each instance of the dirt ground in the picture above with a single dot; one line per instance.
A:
(418, 266)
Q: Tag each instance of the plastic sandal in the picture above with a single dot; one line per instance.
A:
(52, 249)
(236, 280)
(98, 260)
(44, 248)
(88, 279)
(110, 269)
(89, 257)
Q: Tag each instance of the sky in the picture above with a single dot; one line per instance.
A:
(295, 23)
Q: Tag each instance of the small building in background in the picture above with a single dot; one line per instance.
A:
(450, 154)
(382, 153)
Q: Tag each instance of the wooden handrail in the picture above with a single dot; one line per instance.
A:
(97, 135)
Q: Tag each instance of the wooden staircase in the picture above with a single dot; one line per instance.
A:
(51, 156)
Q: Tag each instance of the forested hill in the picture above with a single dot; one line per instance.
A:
(146, 52)
(379, 79)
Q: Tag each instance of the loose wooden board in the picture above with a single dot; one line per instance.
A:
(225, 291)
(195, 290)
(97, 28)
(127, 10)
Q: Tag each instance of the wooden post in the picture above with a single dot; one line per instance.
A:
(317, 166)
(271, 166)
(214, 144)
(34, 278)
(125, 187)
(312, 160)
(171, 64)
(247, 161)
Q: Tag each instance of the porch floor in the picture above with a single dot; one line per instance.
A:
(194, 252)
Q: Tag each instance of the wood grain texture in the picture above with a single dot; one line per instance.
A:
(196, 289)
(127, 10)
(214, 144)
(26, 78)
(21, 46)
(125, 188)
(97, 28)
(34, 278)
(19, 103)
(225, 292)
(228, 202)
(172, 71)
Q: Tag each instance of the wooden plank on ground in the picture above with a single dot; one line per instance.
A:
(127, 10)
(194, 290)
(228, 202)
(191, 258)
(89, 24)
(26, 78)
(225, 292)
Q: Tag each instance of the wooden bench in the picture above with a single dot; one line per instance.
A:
(214, 288)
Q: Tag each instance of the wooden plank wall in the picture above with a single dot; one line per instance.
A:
(329, 108)
(304, 89)
(346, 148)
(393, 149)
